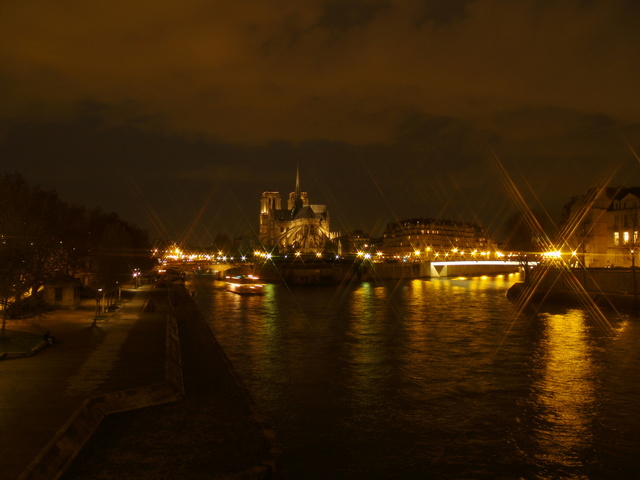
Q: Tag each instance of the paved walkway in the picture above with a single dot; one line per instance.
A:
(38, 394)
(212, 431)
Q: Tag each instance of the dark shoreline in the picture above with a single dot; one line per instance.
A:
(215, 431)
(538, 298)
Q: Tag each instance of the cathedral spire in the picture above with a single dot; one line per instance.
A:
(298, 199)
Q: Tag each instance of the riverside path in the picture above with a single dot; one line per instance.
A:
(125, 350)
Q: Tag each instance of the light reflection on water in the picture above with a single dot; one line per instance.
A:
(433, 379)
(565, 392)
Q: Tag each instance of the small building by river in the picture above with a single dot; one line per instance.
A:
(62, 292)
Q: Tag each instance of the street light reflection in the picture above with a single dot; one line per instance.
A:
(564, 393)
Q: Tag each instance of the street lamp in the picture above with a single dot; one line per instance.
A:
(98, 300)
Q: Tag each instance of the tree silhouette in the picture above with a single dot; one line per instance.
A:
(42, 238)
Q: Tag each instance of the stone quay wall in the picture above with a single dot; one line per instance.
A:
(319, 273)
(596, 280)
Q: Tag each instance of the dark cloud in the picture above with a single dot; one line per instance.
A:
(391, 105)
(203, 67)
(342, 16)
(442, 13)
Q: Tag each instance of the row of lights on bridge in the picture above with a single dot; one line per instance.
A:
(177, 255)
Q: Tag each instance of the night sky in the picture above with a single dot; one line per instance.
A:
(178, 115)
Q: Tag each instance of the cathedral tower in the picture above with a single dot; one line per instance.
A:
(300, 228)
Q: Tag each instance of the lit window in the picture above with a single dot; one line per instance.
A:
(616, 238)
(635, 236)
(625, 237)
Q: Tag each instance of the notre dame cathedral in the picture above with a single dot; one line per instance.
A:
(300, 227)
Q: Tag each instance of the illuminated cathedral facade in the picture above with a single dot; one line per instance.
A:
(301, 227)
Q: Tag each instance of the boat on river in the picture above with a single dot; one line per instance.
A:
(245, 285)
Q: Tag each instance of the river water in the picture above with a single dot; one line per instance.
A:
(434, 378)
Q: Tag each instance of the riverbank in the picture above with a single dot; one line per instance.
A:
(213, 432)
(327, 272)
(604, 287)
(53, 401)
